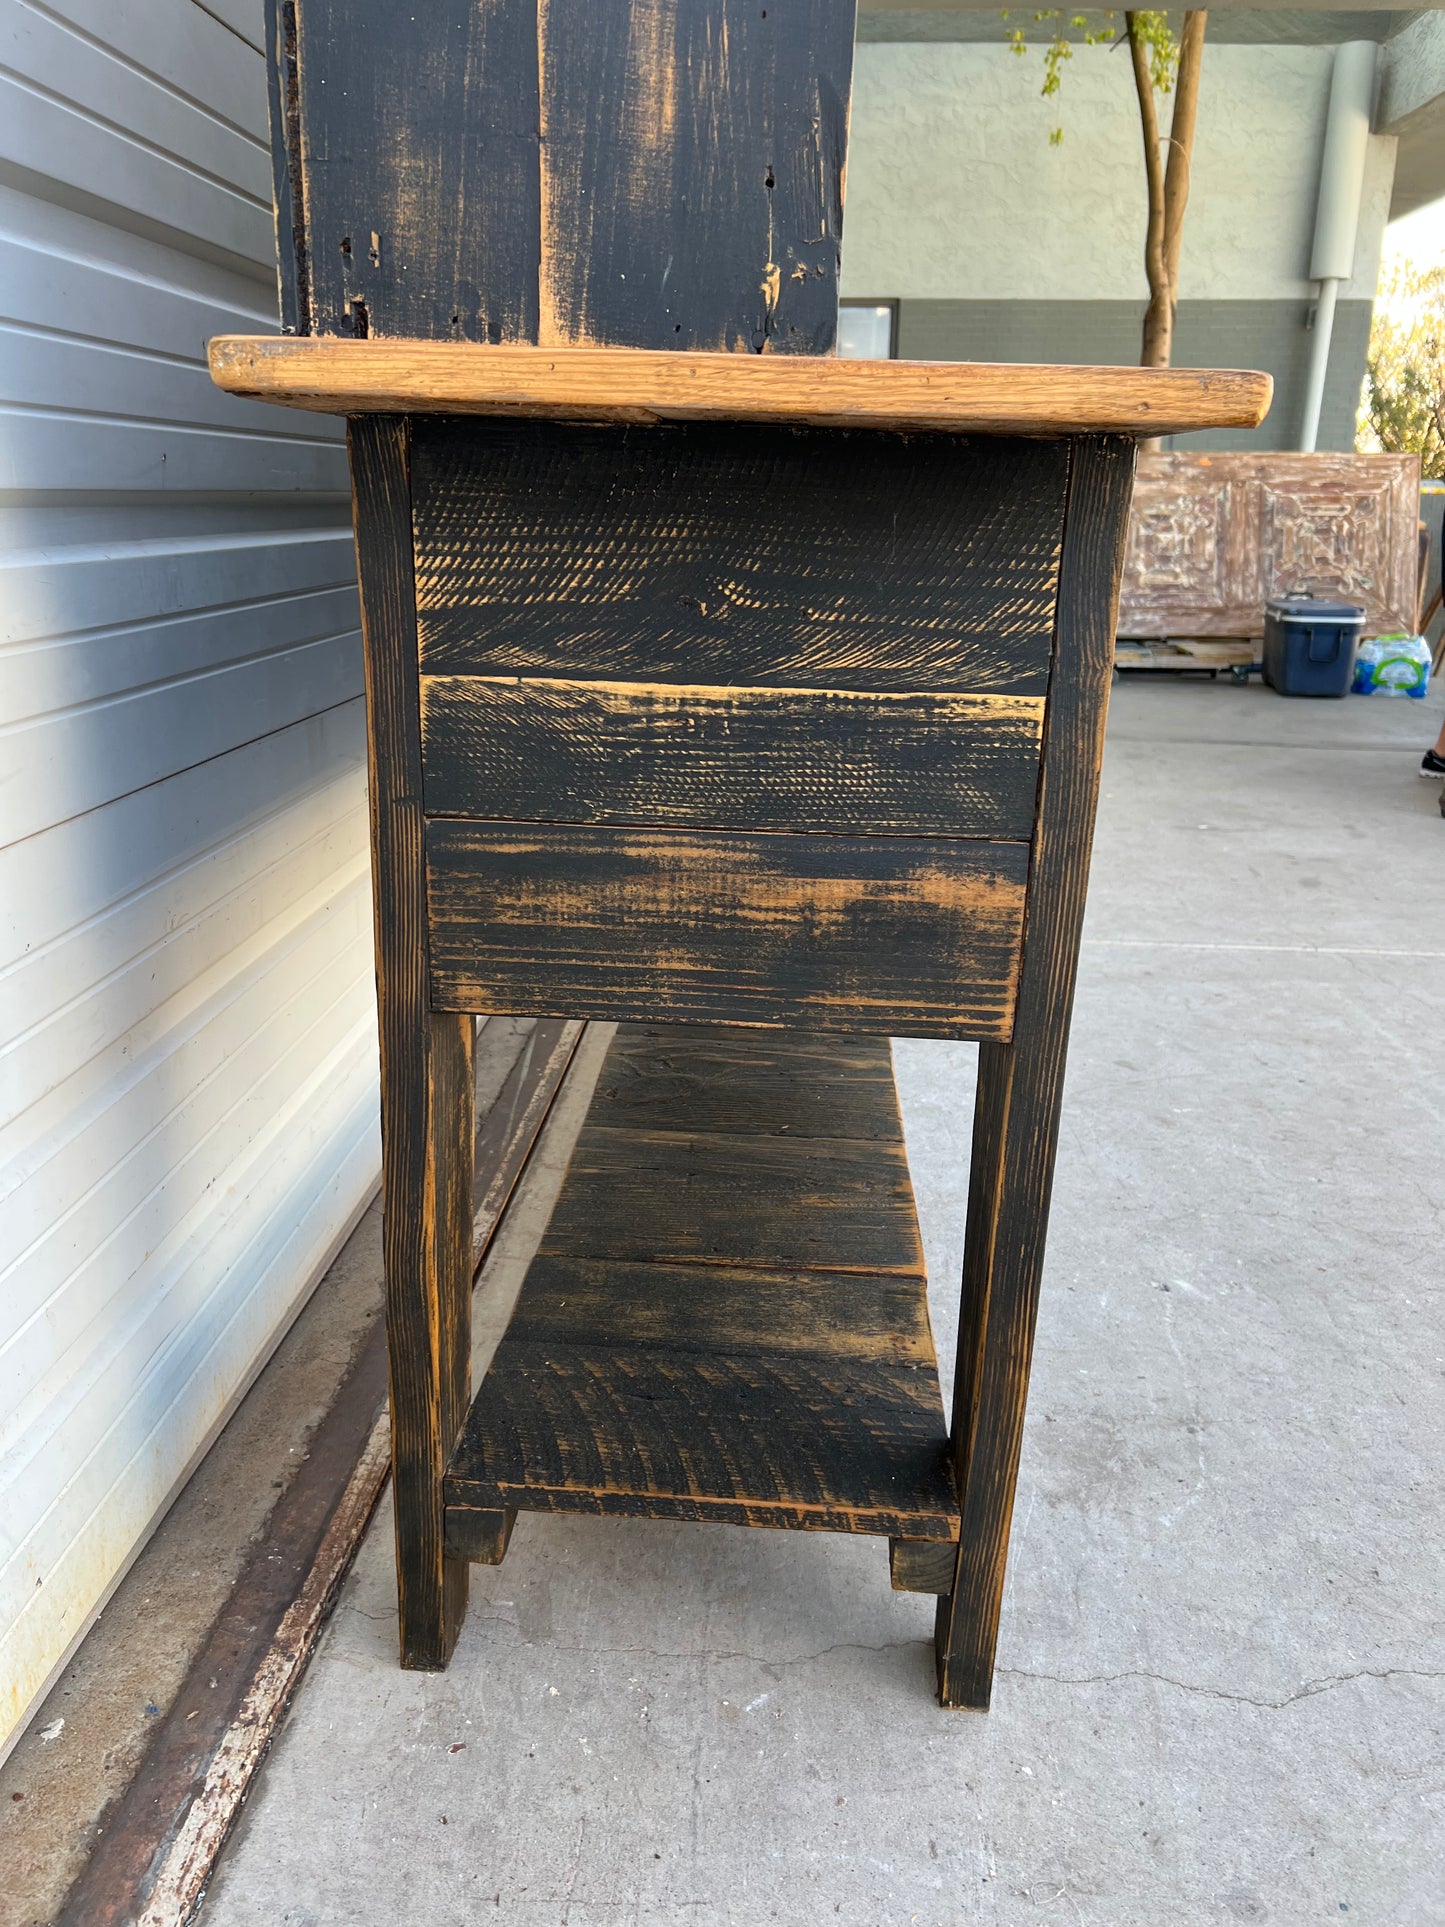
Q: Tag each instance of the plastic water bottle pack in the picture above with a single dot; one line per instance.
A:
(1392, 666)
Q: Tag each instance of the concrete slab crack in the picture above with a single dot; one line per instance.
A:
(1309, 1690)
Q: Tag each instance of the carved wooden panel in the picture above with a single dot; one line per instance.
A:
(1212, 537)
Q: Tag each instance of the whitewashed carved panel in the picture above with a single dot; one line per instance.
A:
(1214, 536)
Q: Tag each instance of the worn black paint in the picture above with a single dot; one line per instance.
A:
(762, 1083)
(693, 172)
(721, 1198)
(818, 558)
(293, 251)
(907, 936)
(647, 1374)
(427, 1073)
(750, 1439)
(628, 174)
(603, 1302)
(419, 127)
(1020, 1084)
(727, 758)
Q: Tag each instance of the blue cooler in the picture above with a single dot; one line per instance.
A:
(1309, 645)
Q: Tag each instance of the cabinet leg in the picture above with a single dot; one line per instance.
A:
(1020, 1085)
(1014, 1136)
(428, 1242)
(427, 1095)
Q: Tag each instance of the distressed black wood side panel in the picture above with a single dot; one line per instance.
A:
(658, 1077)
(416, 141)
(640, 173)
(1020, 1085)
(897, 935)
(723, 1199)
(821, 559)
(692, 172)
(747, 759)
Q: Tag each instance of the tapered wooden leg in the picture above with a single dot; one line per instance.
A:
(427, 1236)
(427, 1092)
(1020, 1085)
(1015, 1133)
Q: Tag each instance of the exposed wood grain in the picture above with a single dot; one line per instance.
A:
(480, 1536)
(763, 1083)
(737, 555)
(897, 935)
(768, 1203)
(1021, 1084)
(921, 1565)
(643, 385)
(758, 1439)
(770, 759)
(426, 1073)
(729, 1309)
(692, 172)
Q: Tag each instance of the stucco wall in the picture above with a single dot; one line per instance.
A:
(955, 193)
(1412, 76)
(1412, 107)
(1208, 334)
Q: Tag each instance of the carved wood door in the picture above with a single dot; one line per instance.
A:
(1213, 537)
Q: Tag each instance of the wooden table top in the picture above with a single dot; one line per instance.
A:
(647, 386)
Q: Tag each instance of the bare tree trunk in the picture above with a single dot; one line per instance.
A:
(1155, 350)
(1181, 147)
(1181, 134)
(1168, 185)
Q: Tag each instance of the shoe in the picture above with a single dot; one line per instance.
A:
(1431, 764)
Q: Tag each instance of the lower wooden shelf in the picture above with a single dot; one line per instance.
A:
(727, 1319)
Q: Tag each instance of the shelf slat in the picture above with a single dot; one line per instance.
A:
(753, 1438)
(661, 1077)
(704, 1198)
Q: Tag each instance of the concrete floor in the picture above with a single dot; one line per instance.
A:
(1221, 1694)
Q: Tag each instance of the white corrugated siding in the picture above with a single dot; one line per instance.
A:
(188, 1119)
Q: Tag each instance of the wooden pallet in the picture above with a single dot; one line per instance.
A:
(728, 1318)
(1196, 653)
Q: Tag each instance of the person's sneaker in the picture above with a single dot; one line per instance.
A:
(1431, 764)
